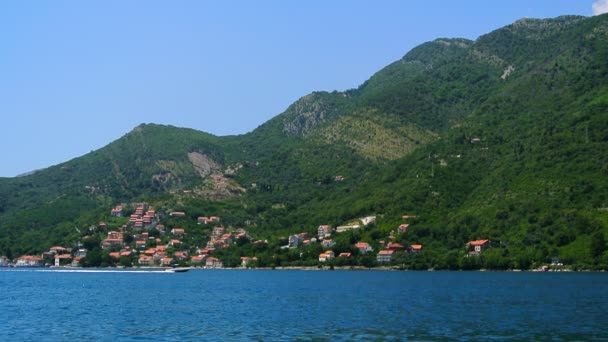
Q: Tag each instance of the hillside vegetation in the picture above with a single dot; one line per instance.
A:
(502, 138)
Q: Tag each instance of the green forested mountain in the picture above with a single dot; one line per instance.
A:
(502, 138)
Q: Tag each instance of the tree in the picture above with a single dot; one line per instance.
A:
(598, 245)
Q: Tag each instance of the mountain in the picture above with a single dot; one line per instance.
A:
(503, 138)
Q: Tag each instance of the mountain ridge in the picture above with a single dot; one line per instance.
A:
(497, 137)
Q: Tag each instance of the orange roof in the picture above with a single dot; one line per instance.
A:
(115, 255)
(478, 242)
(386, 252)
(31, 257)
(416, 247)
(362, 245)
(395, 246)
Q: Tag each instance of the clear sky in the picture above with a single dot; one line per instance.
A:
(76, 75)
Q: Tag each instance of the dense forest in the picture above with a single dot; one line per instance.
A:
(503, 138)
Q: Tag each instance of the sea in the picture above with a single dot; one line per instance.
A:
(298, 305)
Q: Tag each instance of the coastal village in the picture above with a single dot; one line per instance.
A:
(142, 240)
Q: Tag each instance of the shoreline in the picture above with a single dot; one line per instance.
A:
(287, 268)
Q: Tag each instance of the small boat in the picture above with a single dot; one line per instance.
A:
(178, 269)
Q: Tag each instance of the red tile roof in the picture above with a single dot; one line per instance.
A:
(386, 252)
(478, 242)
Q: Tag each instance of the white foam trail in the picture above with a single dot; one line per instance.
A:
(93, 271)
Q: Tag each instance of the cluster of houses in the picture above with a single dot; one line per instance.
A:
(147, 250)
(388, 250)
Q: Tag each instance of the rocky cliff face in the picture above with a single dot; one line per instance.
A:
(305, 115)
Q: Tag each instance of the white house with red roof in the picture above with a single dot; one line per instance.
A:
(326, 256)
(363, 247)
(385, 255)
(477, 246)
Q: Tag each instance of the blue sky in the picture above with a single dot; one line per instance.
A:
(76, 75)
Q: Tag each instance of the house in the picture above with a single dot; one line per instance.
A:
(328, 243)
(180, 256)
(415, 248)
(115, 255)
(57, 250)
(115, 235)
(116, 211)
(226, 238)
(178, 231)
(4, 261)
(140, 244)
(385, 255)
(295, 240)
(76, 262)
(407, 217)
(363, 247)
(197, 259)
(403, 228)
(145, 260)
(161, 228)
(217, 231)
(110, 242)
(246, 261)
(341, 229)
(147, 219)
(166, 261)
(395, 246)
(82, 252)
(324, 231)
(62, 259)
(207, 220)
(29, 261)
(174, 242)
(368, 220)
(212, 262)
(126, 254)
(208, 250)
(133, 218)
(158, 256)
(344, 255)
(139, 224)
(177, 214)
(326, 256)
(477, 246)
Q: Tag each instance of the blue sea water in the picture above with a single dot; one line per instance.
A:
(234, 305)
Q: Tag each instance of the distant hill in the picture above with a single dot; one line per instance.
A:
(503, 138)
